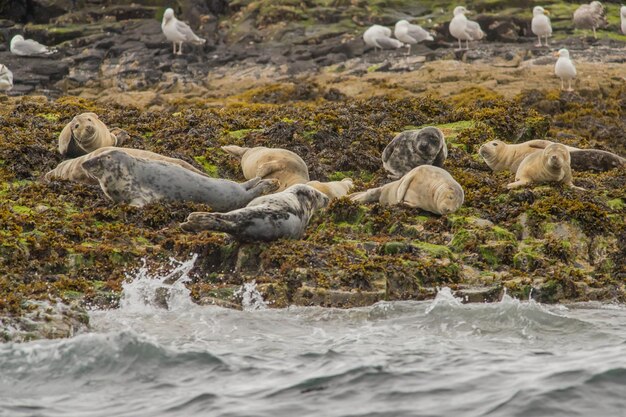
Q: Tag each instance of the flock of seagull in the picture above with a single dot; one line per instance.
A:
(587, 16)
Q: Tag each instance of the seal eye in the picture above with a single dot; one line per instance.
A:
(494, 144)
(88, 119)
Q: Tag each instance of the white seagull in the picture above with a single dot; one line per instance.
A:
(590, 16)
(6, 78)
(410, 34)
(564, 69)
(464, 29)
(28, 47)
(178, 32)
(380, 37)
(540, 24)
(622, 12)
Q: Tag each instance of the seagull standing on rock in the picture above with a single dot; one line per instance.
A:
(410, 34)
(564, 69)
(178, 32)
(540, 24)
(464, 29)
(590, 16)
(6, 78)
(28, 47)
(380, 37)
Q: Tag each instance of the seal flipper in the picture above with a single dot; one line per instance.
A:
(198, 221)
(235, 150)
(269, 167)
(369, 196)
(250, 183)
(264, 187)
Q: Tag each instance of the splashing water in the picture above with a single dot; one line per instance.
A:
(145, 291)
(251, 298)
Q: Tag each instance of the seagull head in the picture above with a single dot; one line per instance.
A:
(460, 10)
(402, 22)
(596, 5)
(168, 14)
(17, 38)
(538, 10)
(563, 53)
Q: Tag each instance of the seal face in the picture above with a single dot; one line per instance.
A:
(83, 134)
(552, 165)
(282, 215)
(285, 166)
(138, 181)
(413, 148)
(72, 169)
(427, 187)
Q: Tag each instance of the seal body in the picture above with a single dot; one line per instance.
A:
(333, 189)
(138, 181)
(84, 134)
(281, 215)
(285, 166)
(427, 187)
(551, 165)
(413, 148)
(500, 156)
(72, 169)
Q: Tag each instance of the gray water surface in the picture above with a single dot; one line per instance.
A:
(437, 358)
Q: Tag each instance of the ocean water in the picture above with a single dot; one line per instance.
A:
(435, 358)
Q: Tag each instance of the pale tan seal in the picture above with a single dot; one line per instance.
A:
(287, 167)
(333, 189)
(85, 133)
(551, 165)
(427, 187)
(500, 156)
(72, 169)
(275, 216)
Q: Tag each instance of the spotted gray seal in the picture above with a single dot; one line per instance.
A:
(282, 215)
(286, 166)
(413, 148)
(86, 133)
(72, 169)
(551, 165)
(138, 181)
(427, 187)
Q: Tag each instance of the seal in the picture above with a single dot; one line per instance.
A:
(282, 215)
(427, 187)
(138, 181)
(72, 169)
(287, 167)
(85, 133)
(500, 156)
(547, 166)
(333, 189)
(413, 148)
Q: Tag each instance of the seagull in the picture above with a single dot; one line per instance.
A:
(28, 47)
(564, 69)
(622, 12)
(540, 24)
(410, 34)
(6, 78)
(380, 37)
(464, 29)
(590, 16)
(178, 32)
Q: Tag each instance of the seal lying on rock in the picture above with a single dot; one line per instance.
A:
(427, 187)
(138, 181)
(413, 148)
(281, 215)
(85, 133)
(333, 189)
(72, 169)
(549, 165)
(287, 167)
(500, 156)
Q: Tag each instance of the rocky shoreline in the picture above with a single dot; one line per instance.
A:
(65, 247)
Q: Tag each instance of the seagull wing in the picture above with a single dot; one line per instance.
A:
(474, 31)
(388, 43)
(184, 30)
(417, 33)
(31, 47)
